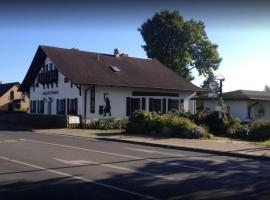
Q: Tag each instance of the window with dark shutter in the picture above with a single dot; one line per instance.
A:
(57, 106)
(150, 104)
(68, 106)
(92, 99)
(164, 106)
(76, 106)
(128, 106)
(143, 103)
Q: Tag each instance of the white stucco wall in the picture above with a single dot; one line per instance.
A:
(64, 91)
(118, 95)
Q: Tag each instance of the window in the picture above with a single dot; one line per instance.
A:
(261, 110)
(46, 69)
(173, 104)
(37, 84)
(51, 66)
(11, 96)
(32, 106)
(72, 105)
(61, 106)
(132, 104)
(92, 99)
(114, 68)
(155, 105)
(40, 107)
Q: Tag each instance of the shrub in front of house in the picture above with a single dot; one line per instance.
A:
(143, 122)
(175, 126)
(170, 125)
(259, 130)
(106, 124)
(227, 125)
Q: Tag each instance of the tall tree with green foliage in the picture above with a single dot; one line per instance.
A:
(266, 88)
(181, 45)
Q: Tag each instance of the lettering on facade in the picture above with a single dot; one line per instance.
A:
(50, 92)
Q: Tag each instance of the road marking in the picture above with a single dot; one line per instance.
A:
(172, 154)
(142, 150)
(109, 153)
(9, 141)
(85, 162)
(80, 178)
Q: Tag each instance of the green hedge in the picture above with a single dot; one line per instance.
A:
(259, 130)
(106, 124)
(171, 125)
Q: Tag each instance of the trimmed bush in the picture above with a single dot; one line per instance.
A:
(106, 124)
(143, 122)
(227, 125)
(259, 130)
(171, 125)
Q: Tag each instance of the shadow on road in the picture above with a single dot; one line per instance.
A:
(13, 127)
(231, 179)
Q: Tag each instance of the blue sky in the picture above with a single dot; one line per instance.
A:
(242, 33)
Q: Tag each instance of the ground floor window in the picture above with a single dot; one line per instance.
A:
(173, 104)
(40, 107)
(32, 106)
(155, 105)
(72, 106)
(61, 106)
(133, 104)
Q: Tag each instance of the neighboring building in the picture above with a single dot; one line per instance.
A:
(11, 99)
(245, 104)
(94, 85)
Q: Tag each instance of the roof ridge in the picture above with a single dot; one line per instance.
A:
(105, 54)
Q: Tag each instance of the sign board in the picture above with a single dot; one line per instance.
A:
(50, 92)
(73, 119)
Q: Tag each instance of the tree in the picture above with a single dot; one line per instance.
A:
(267, 88)
(180, 45)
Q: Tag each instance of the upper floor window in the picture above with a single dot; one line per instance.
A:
(11, 96)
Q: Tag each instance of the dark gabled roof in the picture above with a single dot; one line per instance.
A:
(83, 67)
(6, 87)
(241, 95)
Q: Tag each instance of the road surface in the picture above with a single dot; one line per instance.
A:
(43, 166)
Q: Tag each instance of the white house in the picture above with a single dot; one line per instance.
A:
(245, 104)
(94, 85)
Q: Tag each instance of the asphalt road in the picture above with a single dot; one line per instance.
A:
(44, 166)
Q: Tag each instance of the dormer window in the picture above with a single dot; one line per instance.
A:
(114, 68)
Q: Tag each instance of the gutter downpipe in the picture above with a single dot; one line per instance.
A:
(85, 102)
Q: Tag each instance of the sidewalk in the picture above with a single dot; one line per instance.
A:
(221, 146)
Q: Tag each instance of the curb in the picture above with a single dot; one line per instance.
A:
(186, 148)
(223, 153)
